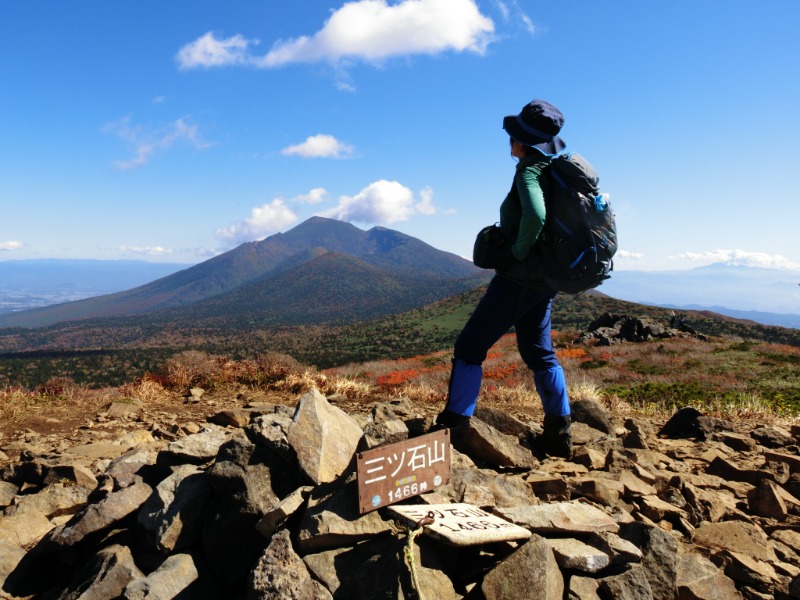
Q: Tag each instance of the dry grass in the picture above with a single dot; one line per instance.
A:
(348, 386)
(57, 399)
(15, 402)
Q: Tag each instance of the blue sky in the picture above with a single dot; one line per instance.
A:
(173, 131)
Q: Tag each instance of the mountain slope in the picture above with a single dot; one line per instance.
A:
(330, 287)
(389, 250)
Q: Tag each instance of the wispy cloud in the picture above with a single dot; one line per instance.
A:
(147, 141)
(512, 13)
(264, 220)
(382, 202)
(320, 146)
(10, 246)
(146, 250)
(740, 258)
(366, 30)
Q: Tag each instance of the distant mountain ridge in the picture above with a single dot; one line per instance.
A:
(410, 271)
(768, 296)
(765, 318)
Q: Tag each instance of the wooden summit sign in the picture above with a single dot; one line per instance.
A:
(460, 524)
(391, 473)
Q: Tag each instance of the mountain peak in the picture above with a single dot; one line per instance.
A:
(390, 252)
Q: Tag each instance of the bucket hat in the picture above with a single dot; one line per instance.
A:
(537, 125)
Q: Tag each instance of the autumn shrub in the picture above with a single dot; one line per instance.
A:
(275, 366)
(189, 369)
(58, 388)
(146, 390)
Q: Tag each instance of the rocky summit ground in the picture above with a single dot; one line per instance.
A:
(255, 497)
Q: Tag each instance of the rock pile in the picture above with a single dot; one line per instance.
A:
(261, 502)
(611, 329)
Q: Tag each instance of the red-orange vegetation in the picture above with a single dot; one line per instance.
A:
(396, 378)
(571, 353)
(500, 372)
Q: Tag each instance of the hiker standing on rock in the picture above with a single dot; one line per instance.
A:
(517, 296)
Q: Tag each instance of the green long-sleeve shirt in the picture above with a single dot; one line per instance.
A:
(522, 212)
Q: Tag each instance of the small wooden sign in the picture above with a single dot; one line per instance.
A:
(460, 524)
(395, 472)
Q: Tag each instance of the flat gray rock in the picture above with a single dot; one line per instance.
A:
(744, 538)
(630, 584)
(559, 517)
(701, 579)
(574, 554)
(274, 517)
(24, 529)
(485, 444)
(332, 520)
(174, 575)
(102, 515)
(197, 448)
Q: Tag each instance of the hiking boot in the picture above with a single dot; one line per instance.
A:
(450, 420)
(456, 423)
(556, 438)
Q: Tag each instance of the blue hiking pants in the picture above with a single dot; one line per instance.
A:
(504, 305)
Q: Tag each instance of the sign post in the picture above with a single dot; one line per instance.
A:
(391, 473)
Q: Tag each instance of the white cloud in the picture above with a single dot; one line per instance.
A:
(10, 246)
(320, 146)
(382, 202)
(368, 30)
(425, 205)
(264, 220)
(146, 250)
(147, 142)
(315, 196)
(740, 258)
(208, 51)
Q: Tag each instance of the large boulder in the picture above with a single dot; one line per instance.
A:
(281, 573)
(105, 576)
(323, 437)
(530, 572)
